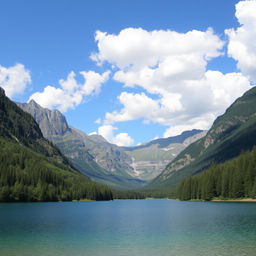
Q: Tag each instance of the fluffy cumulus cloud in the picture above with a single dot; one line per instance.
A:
(71, 93)
(195, 105)
(136, 47)
(14, 79)
(242, 40)
(120, 139)
(171, 68)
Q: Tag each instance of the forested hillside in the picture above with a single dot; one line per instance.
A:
(29, 176)
(233, 179)
(32, 169)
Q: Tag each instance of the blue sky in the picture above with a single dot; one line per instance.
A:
(137, 82)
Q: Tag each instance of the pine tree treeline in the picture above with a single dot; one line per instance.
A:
(29, 176)
(233, 179)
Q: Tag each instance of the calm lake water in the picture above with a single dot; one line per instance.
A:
(128, 228)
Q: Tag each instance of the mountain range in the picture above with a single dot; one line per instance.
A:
(118, 167)
(91, 154)
(230, 134)
(44, 135)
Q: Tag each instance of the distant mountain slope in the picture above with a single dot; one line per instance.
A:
(100, 160)
(230, 134)
(165, 142)
(150, 159)
(32, 169)
(92, 155)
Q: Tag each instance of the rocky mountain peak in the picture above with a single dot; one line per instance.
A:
(51, 122)
(32, 103)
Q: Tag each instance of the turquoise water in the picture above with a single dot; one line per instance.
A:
(128, 228)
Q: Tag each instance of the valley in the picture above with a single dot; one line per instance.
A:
(153, 169)
(106, 163)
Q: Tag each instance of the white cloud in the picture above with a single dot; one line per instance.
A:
(171, 68)
(14, 80)
(71, 93)
(138, 106)
(136, 47)
(123, 139)
(197, 123)
(120, 139)
(135, 106)
(242, 40)
(195, 105)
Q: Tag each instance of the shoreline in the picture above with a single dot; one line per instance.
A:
(244, 200)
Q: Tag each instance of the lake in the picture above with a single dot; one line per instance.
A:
(156, 227)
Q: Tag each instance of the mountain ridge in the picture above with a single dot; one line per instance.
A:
(230, 133)
(164, 142)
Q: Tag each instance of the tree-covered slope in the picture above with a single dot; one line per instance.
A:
(29, 176)
(231, 133)
(31, 168)
(233, 179)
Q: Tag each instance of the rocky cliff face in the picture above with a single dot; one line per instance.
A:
(51, 122)
(109, 156)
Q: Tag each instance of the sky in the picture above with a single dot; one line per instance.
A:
(131, 71)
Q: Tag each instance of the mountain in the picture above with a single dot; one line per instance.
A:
(51, 122)
(20, 127)
(150, 159)
(32, 169)
(91, 154)
(231, 133)
(122, 168)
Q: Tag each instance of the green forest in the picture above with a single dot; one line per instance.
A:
(233, 179)
(29, 176)
(32, 168)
